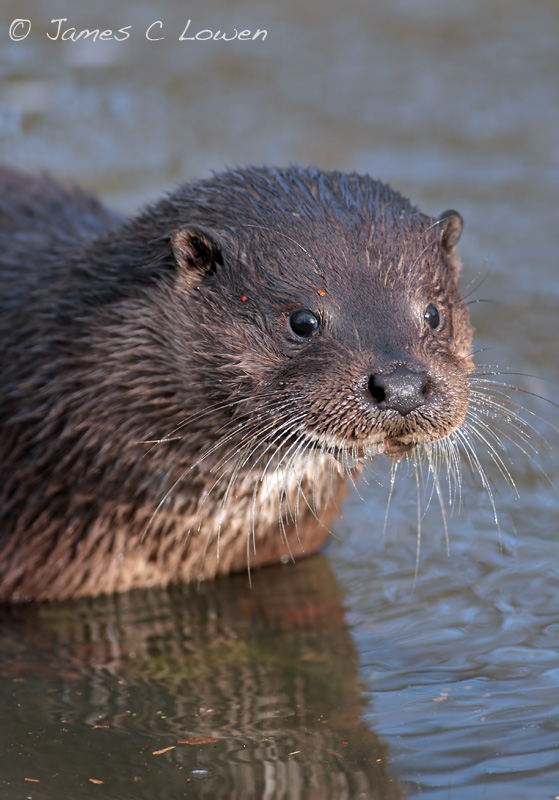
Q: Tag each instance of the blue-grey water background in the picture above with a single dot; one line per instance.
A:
(448, 678)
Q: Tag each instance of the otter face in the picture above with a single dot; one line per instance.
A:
(349, 320)
(381, 364)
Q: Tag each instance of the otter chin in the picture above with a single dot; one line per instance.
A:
(188, 392)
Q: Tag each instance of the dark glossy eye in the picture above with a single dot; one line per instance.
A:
(432, 316)
(303, 323)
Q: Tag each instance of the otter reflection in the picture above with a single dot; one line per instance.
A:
(260, 687)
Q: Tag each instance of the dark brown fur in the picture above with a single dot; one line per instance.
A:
(159, 418)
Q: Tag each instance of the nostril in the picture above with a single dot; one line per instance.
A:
(376, 389)
(402, 389)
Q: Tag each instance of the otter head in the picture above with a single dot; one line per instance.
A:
(332, 306)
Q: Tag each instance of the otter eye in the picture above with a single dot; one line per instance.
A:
(432, 316)
(303, 322)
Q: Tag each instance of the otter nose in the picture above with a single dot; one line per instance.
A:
(402, 389)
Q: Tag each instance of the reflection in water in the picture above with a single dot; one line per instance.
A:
(255, 690)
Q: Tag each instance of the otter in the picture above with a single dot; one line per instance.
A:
(189, 392)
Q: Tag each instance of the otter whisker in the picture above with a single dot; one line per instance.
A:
(191, 468)
(281, 520)
(232, 424)
(291, 427)
(471, 287)
(435, 478)
(421, 454)
(300, 492)
(470, 354)
(234, 406)
(302, 456)
(161, 503)
(286, 461)
(419, 517)
(474, 425)
(513, 434)
(494, 430)
(393, 469)
(462, 436)
(480, 300)
(498, 390)
(207, 412)
(498, 405)
(453, 463)
(259, 437)
(334, 467)
(302, 445)
(496, 408)
(254, 443)
(251, 528)
(491, 373)
(308, 445)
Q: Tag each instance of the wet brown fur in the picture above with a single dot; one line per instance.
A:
(159, 419)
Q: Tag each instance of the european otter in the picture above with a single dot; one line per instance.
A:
(186, 393)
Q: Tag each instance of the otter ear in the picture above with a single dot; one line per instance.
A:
(197, 250)
(451, 225)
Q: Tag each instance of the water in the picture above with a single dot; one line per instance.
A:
(360, 673)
